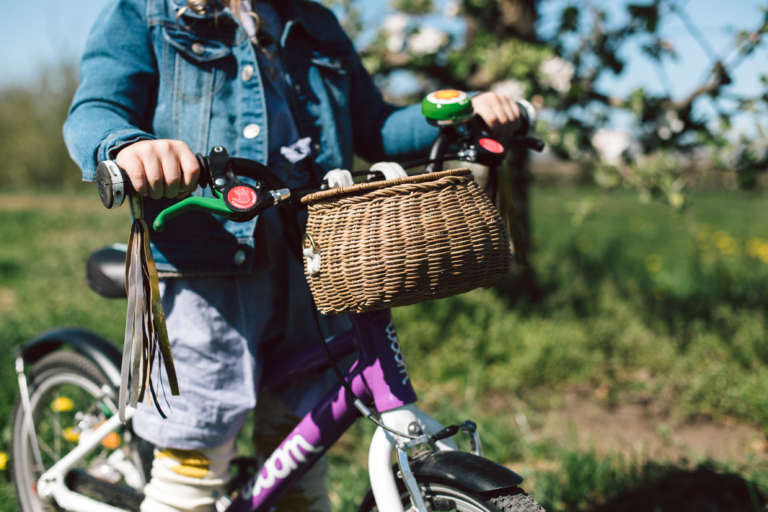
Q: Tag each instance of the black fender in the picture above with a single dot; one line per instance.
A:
(101, 352)
(460, 470)
(465, 471)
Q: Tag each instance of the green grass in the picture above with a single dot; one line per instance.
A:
(46, 240)
(632, 303)
(681, 296)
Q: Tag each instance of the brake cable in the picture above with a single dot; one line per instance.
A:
(359, 405)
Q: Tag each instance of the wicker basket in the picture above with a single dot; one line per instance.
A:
(398, 242)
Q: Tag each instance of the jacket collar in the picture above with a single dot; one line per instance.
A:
(307, 14)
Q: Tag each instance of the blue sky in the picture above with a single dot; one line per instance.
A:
(39, 33)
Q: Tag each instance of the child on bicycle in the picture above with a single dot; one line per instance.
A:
(276, 82)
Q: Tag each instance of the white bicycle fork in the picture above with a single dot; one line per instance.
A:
(408, 419)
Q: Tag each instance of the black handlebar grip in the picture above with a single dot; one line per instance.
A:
(532, 143)
(113, 183)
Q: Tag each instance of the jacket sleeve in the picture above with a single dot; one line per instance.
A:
(381, 130)
(118, 85)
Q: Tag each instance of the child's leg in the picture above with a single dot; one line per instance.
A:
(273, 420)
(188, 480)
(217, 367)
(193, 480)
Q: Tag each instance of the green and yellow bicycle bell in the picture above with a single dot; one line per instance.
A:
(447, 107)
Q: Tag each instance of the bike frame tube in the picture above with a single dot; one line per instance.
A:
(51, 483)
(382, 365)
(379, 376)
(312, 360)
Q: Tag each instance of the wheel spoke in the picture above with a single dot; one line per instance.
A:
(61, 385)
(57, 433)
(46, 449)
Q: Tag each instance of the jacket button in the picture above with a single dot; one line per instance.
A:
(252, 131)
(198, 49)
(239, 257)
(247, 73)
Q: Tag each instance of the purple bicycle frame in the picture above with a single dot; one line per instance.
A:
(378, 376)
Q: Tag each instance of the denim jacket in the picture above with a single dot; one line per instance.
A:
(148, 72)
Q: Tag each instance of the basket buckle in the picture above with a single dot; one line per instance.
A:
(311, 255)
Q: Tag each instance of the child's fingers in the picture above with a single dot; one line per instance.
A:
(483, 108)
(160, 168)
(171, 174)
(500, 113)
(190, 169)
(153, 169)
(131, 163)
(512, 112)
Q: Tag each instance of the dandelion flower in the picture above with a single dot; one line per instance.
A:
(653, 263)
(724, 242)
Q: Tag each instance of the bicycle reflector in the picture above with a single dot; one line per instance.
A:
(447, 107)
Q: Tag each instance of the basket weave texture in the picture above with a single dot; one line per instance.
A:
(399, 242)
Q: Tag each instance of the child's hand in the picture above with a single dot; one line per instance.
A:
(501, 114)
(160, 168)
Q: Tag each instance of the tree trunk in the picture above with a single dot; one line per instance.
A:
(518, 19)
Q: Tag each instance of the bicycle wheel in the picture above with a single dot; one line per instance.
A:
(69, 397)
(443, 497)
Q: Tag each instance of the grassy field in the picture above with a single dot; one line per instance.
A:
(632, 376)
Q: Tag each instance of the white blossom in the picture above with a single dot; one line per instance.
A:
(395, 23)
(610, 144)
(451, 9)
(664, 132)
(511, 89)
(427, 40)
(395, 43)
(394, 27)
(557, 73)
(673, 121)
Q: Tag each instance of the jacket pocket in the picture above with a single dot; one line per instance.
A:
(333, 69)
(329, 64)
(197, 65)
(330, 78)
(194, 47)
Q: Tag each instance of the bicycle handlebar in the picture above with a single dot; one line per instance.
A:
(460, 130)
(232, 197)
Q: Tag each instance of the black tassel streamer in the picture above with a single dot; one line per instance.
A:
(145, 329)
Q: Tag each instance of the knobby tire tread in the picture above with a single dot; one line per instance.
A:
(511, 500)
(516, 503)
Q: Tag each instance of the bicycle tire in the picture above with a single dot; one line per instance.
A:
(78, 383)
(443, 497)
